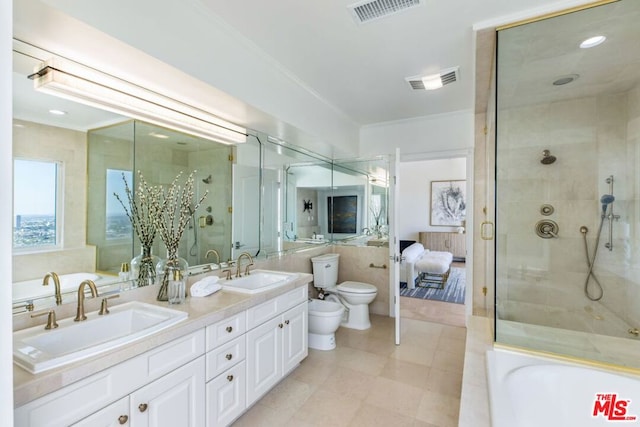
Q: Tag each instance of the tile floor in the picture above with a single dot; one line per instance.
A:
(369, 381)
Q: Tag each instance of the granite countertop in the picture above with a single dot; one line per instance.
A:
(202, 312)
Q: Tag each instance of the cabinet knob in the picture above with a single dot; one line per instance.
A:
(229, 329)
(122, 419)
(286, 322)
(280, 325)
(229, 356)
(230, 378)
(142, 407)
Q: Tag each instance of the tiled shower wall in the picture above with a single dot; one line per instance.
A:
(541, 281)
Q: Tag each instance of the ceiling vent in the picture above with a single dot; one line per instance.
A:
(367, 11)
(450, 75)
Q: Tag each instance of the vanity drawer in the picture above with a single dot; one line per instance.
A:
(293, 298)
(226, 330)
(225, 356)
(174, 354)
(261, 313)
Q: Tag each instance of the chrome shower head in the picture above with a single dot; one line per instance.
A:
(547, 158)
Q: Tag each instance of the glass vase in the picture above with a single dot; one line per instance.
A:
(172, 274)
(143, 268)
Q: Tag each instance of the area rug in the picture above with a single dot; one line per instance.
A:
(453, 290)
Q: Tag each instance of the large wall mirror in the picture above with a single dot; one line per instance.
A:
(567, 161)
(264, 197)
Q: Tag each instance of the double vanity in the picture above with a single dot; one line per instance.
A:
(201, 363)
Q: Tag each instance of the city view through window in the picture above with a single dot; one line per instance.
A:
(35, 185)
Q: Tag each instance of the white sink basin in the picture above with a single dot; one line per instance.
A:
(258, 281)
(37, 350)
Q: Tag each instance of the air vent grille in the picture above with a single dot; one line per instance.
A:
(450, 75)
(371, 10)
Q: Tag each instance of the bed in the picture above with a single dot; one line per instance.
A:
(422, 267)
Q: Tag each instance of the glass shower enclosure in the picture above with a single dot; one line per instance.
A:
(568, 185)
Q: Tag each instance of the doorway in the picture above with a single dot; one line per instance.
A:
(434, 298)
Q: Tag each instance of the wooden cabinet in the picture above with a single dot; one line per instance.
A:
(446, 242)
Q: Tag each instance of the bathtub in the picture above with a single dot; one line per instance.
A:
(32, 289)
(529, 391)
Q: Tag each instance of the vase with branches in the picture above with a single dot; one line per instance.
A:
(140, 209)
(174, 208)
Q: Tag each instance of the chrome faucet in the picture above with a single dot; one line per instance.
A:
(213, 251)
(246, 271)
(94, 293)
(56, 283)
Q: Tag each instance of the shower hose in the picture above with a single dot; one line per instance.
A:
(591, 262)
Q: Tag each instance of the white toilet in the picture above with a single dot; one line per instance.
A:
(354, 296)
(324, 320)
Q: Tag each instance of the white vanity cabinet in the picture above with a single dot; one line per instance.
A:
(226, 373)
(275, 346)
(176, 399)
(172, 371)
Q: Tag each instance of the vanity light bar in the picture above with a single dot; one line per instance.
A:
(88, 86)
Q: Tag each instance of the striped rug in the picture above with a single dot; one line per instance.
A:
(453, 290)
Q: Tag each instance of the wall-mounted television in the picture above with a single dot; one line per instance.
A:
(342, 214)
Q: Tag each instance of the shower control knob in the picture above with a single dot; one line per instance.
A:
(547, 229)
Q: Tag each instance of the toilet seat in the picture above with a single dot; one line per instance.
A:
(356, 288)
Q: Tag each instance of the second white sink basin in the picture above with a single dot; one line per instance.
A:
(37, 350)
(258, 281)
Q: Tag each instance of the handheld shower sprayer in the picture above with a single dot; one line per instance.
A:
(606, 200)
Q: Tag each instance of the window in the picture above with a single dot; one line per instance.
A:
(36, 208)
(118, 225)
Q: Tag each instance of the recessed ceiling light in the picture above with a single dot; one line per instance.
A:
(563, 80)
(57, 112)
(18, 125)
(592, 41)
(432, 82)
(158, 135)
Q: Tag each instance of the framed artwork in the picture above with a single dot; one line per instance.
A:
(448, 203)
(343, 214)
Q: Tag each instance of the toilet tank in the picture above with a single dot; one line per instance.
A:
(325, 270)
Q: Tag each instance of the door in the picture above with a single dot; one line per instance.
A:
(394, 241)
(295, 337)
(264, 358)
(176, 399)
(226, 396)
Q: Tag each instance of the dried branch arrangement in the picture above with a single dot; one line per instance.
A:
(142, 213)
(174, 208)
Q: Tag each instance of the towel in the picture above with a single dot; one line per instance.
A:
(205, 287)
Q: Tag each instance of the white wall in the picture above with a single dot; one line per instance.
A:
(6, 163)
(442, 133)
(415, 193)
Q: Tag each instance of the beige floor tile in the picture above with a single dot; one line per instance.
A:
(444, 382)
(313, 370)
(368, 381)
(438, 409)
(326, 408)
(395, 396)
(359, 360)
(263, 416)
(406, 372)
(374, 416)
(290, 394)
(349, 384)
(452, 362)
(452, 344)
(414, 354)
